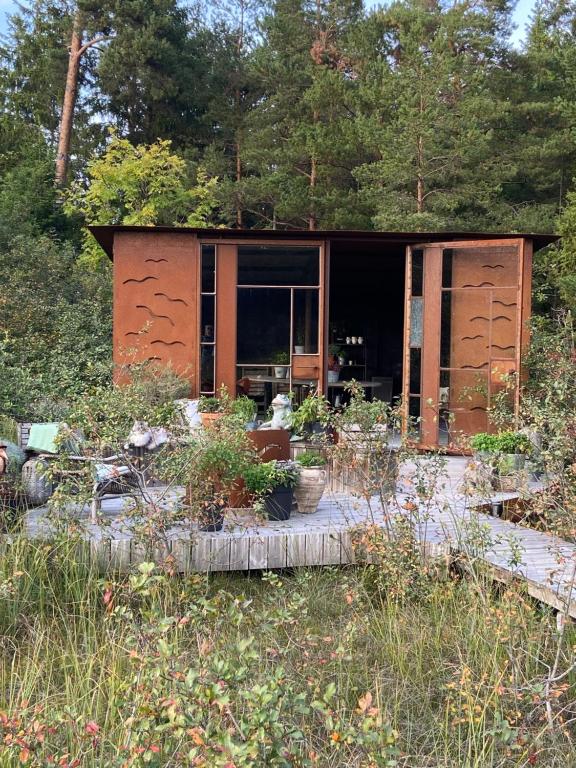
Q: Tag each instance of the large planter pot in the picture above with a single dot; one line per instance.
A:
(211, 518)
(280, 371)
(209, 419)
(333, 377)
(309, 489)
(278, 504)
(37, 487)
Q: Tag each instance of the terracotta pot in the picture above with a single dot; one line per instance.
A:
(309, 489)
(208, 419)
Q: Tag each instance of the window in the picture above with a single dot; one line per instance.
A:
(208, 320)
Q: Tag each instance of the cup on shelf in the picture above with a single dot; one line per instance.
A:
(347, 339)
(360, 339)
(354, 340)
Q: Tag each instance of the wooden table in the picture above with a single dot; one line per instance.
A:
(364, 384)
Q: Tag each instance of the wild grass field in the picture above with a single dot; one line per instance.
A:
(316, 667)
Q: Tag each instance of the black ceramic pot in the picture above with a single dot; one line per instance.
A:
(211, 519)
(278, 504)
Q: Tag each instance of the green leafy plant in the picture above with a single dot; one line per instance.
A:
(281, 358)
(210, 404)
(261, 479)
(314, 409)
(365, 415)
(501, 442)
(311, 459)
(244, 408)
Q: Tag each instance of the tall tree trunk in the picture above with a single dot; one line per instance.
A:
(238, 180)
(420, 165)
(420, 177)
(69, 103)
(312, 220)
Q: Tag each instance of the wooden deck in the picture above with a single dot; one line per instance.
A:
(452, 525)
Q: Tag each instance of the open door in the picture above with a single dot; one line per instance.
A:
(467, 306)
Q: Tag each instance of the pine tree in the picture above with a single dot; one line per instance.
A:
(428, 113)
(301, 144)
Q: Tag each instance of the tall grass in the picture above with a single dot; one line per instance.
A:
(455, 673)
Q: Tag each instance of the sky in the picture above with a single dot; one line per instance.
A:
(521, 16)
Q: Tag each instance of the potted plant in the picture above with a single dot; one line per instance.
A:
(503, 454)
(244, 408)
(210, 409)
(365, 429)
(281, 361)
(312, 416)
(311, 481)
(272, 483)
(299, 340)
(333, 364)
(215, 458)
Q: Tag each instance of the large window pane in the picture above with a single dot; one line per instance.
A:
(417, 272)
(207, 368)
(263, 324)
(208, 268)
(306, 321)
(278, 265)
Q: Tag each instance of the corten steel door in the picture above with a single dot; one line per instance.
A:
(467, 307)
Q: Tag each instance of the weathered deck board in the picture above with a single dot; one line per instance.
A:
(449, 526)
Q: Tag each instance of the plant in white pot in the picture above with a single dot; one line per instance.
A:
(281, 362)
(503, 456)
(311, 481)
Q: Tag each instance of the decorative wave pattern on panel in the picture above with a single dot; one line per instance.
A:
(168, 343)
(139, 280)
(156, 321)
(154, 315)
(169, 298)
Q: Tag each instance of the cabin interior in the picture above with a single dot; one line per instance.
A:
(366, 315)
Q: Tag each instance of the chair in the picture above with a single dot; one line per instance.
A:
(385, 390)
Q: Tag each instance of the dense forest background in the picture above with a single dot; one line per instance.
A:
(291, 113)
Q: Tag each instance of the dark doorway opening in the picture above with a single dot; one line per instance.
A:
(366, 295)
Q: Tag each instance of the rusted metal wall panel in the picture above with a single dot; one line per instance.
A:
(156, 300)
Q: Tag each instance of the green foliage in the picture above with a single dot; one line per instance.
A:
(261, 478)
(501, 442)
(281, 358)
(56, 328)
(311, 459)
(244, 408)
(144, 184)
(207, 404)
(365, 415)
(213, 461)
(313, 409)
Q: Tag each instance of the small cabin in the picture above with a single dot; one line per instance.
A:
(440, 319)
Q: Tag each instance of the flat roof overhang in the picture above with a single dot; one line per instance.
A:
(105, 235)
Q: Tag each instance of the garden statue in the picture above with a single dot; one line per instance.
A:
(282, 414)
(143, 436)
